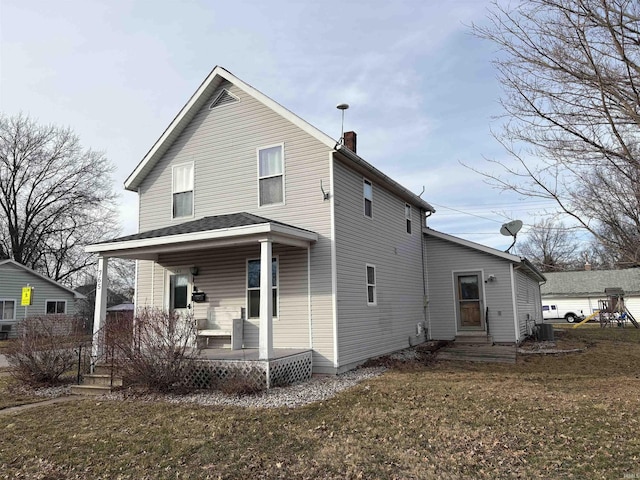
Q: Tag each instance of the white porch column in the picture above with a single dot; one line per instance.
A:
(266, 301)
(100, 312)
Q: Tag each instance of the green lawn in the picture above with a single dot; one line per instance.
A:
(570, 416)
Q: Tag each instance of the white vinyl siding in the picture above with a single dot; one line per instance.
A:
(442, 258)
(182, 190)
(222, 142)
(55, 307)
(271, 175)
(367, 331)
(529, 304)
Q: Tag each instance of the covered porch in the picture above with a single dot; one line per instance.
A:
(238, 262)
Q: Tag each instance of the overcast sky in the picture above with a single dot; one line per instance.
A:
(422, 90)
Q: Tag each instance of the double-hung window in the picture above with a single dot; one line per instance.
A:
(7, 309)
(372, 297)
(182, 190)
(271, 175)
(56, 307)
(407, 216)
(367, 193)
(253, 287)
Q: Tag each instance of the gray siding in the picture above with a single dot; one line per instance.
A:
(529, 304)
(365, 331)
(442, 259)
(222, 144)
(13, 278)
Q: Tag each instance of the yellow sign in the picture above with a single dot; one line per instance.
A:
(26, 296)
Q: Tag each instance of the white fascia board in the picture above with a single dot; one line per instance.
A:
(261, 229)
(473, 245)
(196, 100)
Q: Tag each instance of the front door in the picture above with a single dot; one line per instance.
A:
(180, 287)
(469, 301)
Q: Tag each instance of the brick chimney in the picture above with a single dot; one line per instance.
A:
(587, 266)
(350, 141)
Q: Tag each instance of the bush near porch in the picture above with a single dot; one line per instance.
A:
(569, 416)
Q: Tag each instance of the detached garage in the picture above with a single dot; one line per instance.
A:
(477, 290)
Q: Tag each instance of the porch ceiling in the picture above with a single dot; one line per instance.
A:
(208, 232)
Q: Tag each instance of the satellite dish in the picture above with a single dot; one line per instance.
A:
(511, 229)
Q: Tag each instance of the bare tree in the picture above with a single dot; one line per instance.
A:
(55, 197)
(550, 246)
(571, 76)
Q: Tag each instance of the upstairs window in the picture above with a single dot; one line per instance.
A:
(271, 175)
(182, 190)
(58, 307)
(367, 192)
(407, 216)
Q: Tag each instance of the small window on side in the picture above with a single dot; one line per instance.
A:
(372, 297)
(407, 216)
(367, 193)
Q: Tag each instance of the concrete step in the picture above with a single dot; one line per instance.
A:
(474, 339)
(90, 389)
(102, 380)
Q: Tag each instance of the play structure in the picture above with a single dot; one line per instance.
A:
(612, 311)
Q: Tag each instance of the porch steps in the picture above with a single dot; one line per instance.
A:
(477, 348)
(98, 383)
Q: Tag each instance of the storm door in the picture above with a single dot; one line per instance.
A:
(469, 301)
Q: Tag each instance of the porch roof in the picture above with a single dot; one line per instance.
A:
(206, 232)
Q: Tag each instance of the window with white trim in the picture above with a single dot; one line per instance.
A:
(367, 193)
(182, 190)
(271, 175)
(53, 307)
(7, 309)
(253, 287)
(407, 216)
(372, 298)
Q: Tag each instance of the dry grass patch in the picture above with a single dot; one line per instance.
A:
(11, 395)
(571, 416)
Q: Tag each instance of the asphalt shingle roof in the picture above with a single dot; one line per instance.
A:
(218, 222)
(591, 282)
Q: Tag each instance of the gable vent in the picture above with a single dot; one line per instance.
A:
(223, 98)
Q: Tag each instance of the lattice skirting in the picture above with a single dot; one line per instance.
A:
(258, 373)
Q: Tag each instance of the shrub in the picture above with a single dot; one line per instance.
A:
(45, 348)
(157, 351)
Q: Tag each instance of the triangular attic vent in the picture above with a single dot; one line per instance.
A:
(223, 98)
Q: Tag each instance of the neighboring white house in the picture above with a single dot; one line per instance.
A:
(245, 206)
(48, 296)
(580, 291)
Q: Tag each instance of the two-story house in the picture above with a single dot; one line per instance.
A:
(250, 207)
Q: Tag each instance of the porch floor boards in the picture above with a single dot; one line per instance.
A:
(478, 349)
(247, 354)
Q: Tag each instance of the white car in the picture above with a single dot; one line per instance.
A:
(552, 311)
